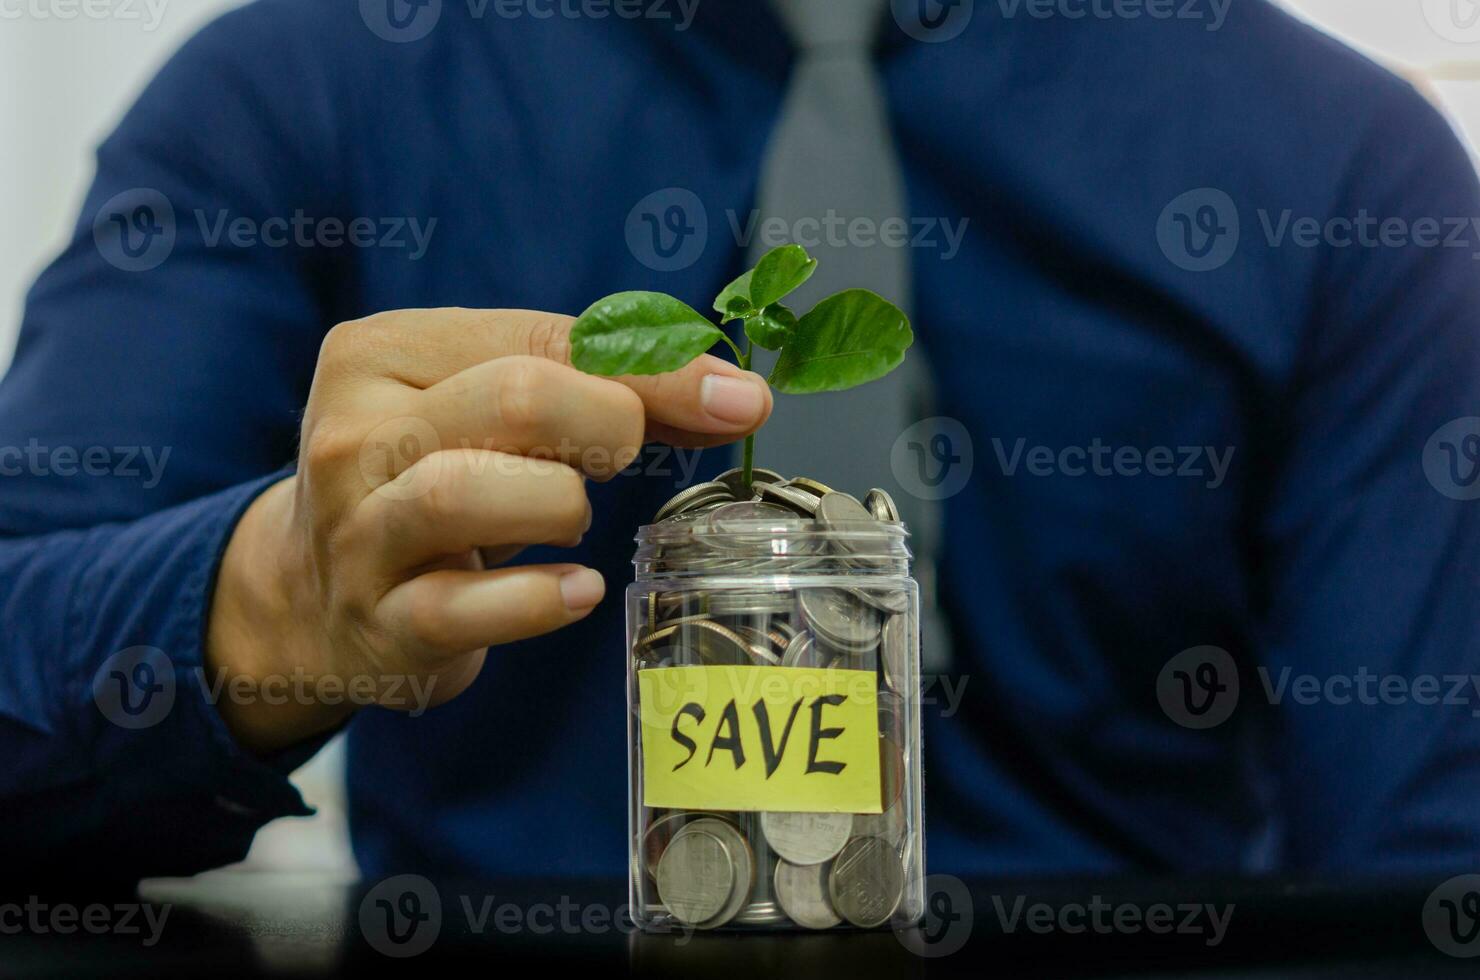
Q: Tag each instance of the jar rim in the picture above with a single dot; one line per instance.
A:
(666, 532)
(775, 546)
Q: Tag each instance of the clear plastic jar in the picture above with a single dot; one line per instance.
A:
(773, 678)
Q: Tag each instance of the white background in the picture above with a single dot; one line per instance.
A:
(64, 82)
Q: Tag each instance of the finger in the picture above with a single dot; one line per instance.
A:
(450, 613)
(707, 402)
(456, 500)
(534, 407)
(420, 348)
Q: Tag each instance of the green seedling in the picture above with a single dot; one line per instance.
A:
(848, 339)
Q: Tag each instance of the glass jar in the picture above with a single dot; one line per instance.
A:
(773, 723)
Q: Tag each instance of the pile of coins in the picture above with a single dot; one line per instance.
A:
(816, 870)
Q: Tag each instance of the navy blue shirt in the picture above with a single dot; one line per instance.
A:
(1090, 304)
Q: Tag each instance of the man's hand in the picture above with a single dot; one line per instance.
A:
(437, 444)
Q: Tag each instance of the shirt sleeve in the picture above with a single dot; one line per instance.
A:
(154, 393)
(1370, 547)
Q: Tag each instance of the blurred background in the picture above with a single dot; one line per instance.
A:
(69, 68)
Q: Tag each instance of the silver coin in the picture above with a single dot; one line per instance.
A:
(891, 714)
(775, 603)
(803, 651)
(696, 876)
(840, 619)
(801, 890)
(761, 914)
(798, 500)
(734, 479)
(743, 857)
(894, 648)
(878, 503)
(814, 487)
(866, 882)
(884, 600)
(891, 771)
(660, 831)
(807, 838)
(691, 497)
(842, 508)
(662, 827)
(850, 523)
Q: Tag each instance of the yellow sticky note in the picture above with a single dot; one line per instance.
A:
(759, 738)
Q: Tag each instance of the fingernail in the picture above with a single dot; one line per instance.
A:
(732, 400)
(582, 589)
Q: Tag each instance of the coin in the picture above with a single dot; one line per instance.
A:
(695, 496)
(842, 508)
(750, 603)
(696, 875)
(759, 638)
(733, 479)
(802, 652)
(840, 619)
(806, 838)
(660, 831)
(866, 882)
(743, 857)
(798, 500)
(662, 828)
(878, 503)
(814, 487)
(715, 644)
(891, 713)
(760, 914)
(884, 600)
(891, 771)
(671, 604)
(762, 656)
(660, 656)
(801, 891)
(894, 647)
(850, 524)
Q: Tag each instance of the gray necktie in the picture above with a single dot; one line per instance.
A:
(830, 161)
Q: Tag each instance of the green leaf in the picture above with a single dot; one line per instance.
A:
(639, 333)
(848, 339)
(779, 272)
(770, 327)
(734, 300)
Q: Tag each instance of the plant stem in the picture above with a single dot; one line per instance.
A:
(748, 457)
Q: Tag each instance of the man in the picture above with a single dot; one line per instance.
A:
(1138, 280)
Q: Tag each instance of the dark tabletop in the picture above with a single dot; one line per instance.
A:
(238, 923)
